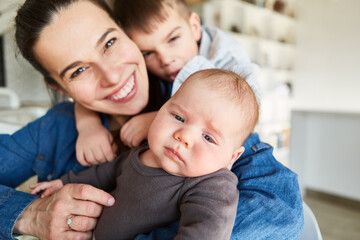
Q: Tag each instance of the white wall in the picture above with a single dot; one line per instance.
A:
(21, 77)
(325, 152)
(325, 138)
(328, 54)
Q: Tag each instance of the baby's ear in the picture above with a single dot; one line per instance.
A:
(195, 25)
(237, 153)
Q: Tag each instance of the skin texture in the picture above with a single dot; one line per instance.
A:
(171, 44)
(98, 64)
(189, 137)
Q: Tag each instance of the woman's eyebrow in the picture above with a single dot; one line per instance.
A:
(98, 43)
(74, 64)
(103, 37)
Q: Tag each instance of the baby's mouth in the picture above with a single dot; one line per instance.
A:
(124, 91)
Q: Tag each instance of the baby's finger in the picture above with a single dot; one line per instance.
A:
(48, 192)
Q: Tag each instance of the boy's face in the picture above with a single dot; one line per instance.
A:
(195, 132)
(171, 44)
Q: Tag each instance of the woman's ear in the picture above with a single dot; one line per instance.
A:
(195, 25)
(58, 89)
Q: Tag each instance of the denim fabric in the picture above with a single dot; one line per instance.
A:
(270, 205)
(45, 147)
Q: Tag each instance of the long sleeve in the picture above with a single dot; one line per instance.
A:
(208, 208)
(270, 203)
(219, 50)
(12, 204)
(101, 176)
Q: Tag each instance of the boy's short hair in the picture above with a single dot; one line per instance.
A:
(237, 90)
(144, 15)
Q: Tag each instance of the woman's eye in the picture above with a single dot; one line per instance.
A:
(77, 72)
(208, 138)
(180, 119)
(110, 43)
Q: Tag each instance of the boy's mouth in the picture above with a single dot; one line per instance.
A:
(124, 91)
(173, 75)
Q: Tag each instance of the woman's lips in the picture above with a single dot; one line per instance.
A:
(126, 92)
(172, 154)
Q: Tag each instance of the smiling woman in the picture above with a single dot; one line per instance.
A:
(83, 54)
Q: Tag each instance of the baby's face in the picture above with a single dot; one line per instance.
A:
(195, 132)
(170, 46)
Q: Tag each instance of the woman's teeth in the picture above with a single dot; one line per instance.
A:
(125, 90)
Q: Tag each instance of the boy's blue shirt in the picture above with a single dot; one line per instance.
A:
(270, 205)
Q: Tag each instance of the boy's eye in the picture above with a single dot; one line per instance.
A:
(173, 38)
(180, 119)
(147, 54)
(77, 72)
(208, 138)
(110, 43)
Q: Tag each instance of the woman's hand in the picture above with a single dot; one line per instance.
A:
(136, 129)
(46, 218)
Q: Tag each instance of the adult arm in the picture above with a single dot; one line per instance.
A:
(208, 208)
(46, 218)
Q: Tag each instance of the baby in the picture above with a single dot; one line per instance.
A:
(183, 172)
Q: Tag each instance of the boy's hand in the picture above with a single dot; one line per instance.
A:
(94, 146)
(136, 130)
(48, 188)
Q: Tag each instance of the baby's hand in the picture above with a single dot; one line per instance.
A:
(48, 187)
(94, 146)
(136, 129)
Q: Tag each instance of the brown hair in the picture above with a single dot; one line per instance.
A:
(145, 14)
(236, 89)
(32, 17)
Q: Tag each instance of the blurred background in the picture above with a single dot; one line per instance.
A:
(309, 55)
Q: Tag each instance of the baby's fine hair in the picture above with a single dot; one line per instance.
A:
(235, 88)
(144, 15)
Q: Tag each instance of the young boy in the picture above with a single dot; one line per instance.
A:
(174, 46)
(184, 170)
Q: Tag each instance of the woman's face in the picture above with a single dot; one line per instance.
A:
(93, 61)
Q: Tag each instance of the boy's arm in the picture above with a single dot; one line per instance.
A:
(94, 143)
(208, 209)
(136, 129)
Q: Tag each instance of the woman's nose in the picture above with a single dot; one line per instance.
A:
(183, 136)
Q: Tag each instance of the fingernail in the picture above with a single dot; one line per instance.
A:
(111, 201)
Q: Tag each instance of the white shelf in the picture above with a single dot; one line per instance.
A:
(269, 39)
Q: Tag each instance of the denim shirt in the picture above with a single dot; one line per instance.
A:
(270, 204)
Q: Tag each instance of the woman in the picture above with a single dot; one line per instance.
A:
(82, 53)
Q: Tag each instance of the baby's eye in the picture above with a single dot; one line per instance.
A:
(77, 72)
(110, 43)
(208, 138)
(180, 119)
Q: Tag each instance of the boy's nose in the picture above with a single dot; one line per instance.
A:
(184, 137)
(165, 58)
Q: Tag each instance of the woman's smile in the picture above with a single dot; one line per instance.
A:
(126, 92)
